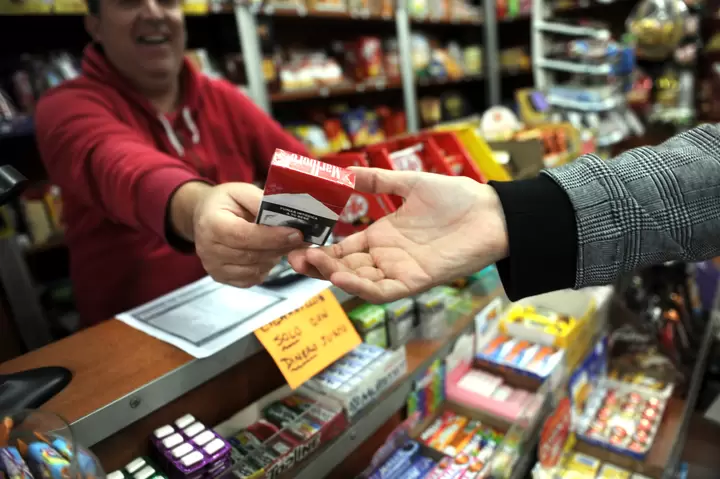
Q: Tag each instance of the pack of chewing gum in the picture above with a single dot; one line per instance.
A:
(305, 194)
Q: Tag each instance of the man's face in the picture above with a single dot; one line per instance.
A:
(144, 39)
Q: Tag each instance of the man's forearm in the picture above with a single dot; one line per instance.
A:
(182, 208)
(542, 237)
(648, 205)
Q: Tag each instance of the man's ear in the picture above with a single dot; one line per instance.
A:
(92, 26)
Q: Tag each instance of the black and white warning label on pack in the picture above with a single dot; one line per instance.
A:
(299, 211)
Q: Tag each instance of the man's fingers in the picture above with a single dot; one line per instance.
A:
(227, 255)
(235, 232)
(380, 181)
(382, 291)
(243, 276)
(247, 195)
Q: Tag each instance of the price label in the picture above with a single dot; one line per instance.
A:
(305, 341)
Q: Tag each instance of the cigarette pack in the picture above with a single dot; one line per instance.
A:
(305, 194)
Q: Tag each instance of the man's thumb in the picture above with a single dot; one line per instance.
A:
(245, 195)
(380, 181)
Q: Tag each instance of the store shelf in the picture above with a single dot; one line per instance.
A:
(362, 88)
(573, 30)
(337, 15)
(333, 91)
(441, 21)
(572, 67)
(19, 127)
(607, 104)
(420, 355)
(56, 241)
(332, 15)
(675, 456)
(448, 81)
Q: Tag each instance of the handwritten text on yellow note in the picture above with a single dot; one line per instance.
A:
(305, 341)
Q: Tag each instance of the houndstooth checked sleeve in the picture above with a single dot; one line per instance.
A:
(646, 206)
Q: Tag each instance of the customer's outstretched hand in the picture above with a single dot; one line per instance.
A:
(447, 227)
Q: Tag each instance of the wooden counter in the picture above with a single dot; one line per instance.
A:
(112, 360)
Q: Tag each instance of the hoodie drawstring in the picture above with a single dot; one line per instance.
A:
(170, 132)
(191, 125)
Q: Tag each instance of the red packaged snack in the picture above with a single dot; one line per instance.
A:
(305, 194)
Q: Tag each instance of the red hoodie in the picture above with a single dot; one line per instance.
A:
(118, 161)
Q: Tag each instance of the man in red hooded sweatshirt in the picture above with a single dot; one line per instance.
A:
(156, 163)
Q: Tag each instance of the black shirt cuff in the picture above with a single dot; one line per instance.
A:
(542, 237)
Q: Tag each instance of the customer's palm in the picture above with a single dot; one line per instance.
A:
(446, 228)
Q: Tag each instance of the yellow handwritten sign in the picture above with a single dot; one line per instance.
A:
(305, 341)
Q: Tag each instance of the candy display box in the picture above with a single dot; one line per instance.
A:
(622, 418)
(520, 362)
(480, 390)
(273, 435)
(603, 425)
(561, 319)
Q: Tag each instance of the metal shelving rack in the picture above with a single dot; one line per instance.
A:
(246, 24)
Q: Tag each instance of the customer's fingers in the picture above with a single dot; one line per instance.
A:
(355, 243)
(382, 291)
(380, 181)
(299, 262)
(325, 264)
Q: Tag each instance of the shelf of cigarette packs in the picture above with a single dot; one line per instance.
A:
(627, 408)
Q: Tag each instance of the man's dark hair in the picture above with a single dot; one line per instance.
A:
(93, 6)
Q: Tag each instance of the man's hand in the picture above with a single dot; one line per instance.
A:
(232, 248)
(447, 227)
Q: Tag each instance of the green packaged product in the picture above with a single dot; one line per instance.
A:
(369, 320)
(400, 321)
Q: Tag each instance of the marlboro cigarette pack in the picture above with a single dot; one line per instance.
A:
(305, 194)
